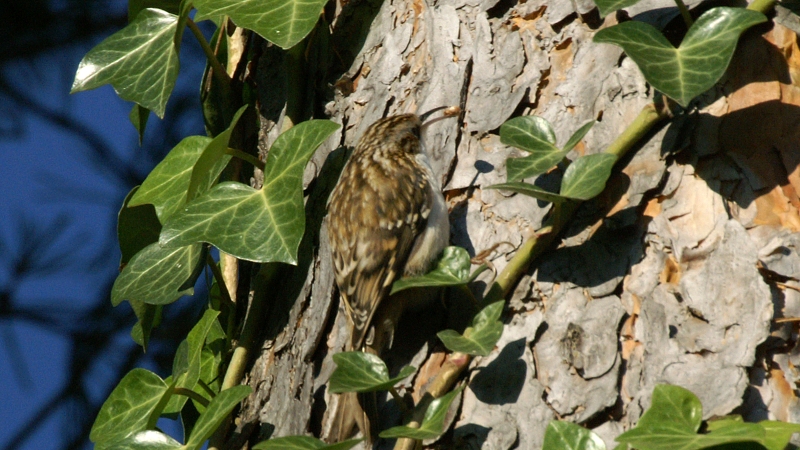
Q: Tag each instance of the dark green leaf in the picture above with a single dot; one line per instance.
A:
(569, 436)
(218, 409)
(535, 135)
(135, 6)
(699, 62)
(303, 443)
(578, 136)
(672, 422)
(138, 117)
(432, 425)
(723, 422)
(212, 161)
(143, 440)
(187, 362)
(778, 434)
(363, 372)
(137, 227)
(149, 316)
(451, 270)
(159, 275)
(606, 7)
(282, 22)
(481, 337)
(166, 185)
(269, 223)
(529, 190)
(586, 177)
(129, 407)
(140, 61)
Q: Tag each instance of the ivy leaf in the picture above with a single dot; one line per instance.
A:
(138, 117)
(137, 227)
(778, 434)
(303, 443)
(606, 7)
(363, 372)
(212, 161)
(534, 135)
(578, 136)
(135, 6)
(186, 365)
(586, 177)
(269, 223)
(140, 61)
(218, 409)
(129, 407)
(148, 317)
(432, 425)
(672, 422)
(530, 190)
(452, 269)
(143, 440)
(282, 22)
(562, 435)
(159, 275)
(481, 337)
(699, 62)
(166, 185)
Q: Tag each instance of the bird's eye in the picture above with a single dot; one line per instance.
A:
(415, 131)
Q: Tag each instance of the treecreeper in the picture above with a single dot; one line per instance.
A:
(387, 219)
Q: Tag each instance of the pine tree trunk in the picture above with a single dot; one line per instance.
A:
(673, 275)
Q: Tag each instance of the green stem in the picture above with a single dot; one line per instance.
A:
(206, 388)
(216, 66)
(399, 400)
(762, 6)
(687, 18)
(246, 157)
(193, 395)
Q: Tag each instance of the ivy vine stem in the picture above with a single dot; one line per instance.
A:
(687, 18)
(762, 6)
(192, 395)
(216, 66)
(244, 156)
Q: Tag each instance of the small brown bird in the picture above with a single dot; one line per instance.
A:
(387, 219)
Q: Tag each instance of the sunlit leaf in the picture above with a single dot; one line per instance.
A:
(282, 22)
(363, 372)
(186, 365)
(606, 7)
(586, 177)
(218, 409)
(778, 434)
(562, 435)
(129, 407)
(452, 269)
(481, 337)
(578, 136)
(534, 135)
(138, 117)
(140, 61)
(212, 161)
(143, 440)
(303, 443)
(432, 425)
(159, 275)
(699, 62)
(529, 190)
(269, 223)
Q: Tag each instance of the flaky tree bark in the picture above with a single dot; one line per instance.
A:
(675, 274)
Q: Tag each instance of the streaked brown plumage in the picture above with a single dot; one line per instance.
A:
(387, 218)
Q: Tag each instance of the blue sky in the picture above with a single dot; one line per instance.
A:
(66, 163)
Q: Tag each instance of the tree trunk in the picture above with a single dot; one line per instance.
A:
(672, 275)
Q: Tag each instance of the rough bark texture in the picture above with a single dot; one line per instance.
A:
(675, 274)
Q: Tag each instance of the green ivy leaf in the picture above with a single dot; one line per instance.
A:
(578, 136)
(187, 363)
(303, 443)
(269, 223)
(432, 425)
(137, 227)
(778, 434)
(282, 22)
(218, 409)
(135, 6)
(562, 435)
(452, 269)
(159, 275)
(481, 337)
(534, 135)
(363, 372)
(529, 190)
(140, 61)
(212, 161)
(672, 422)
(166, 185)
(143, 440)
(149, 317)
(129, 407)
(586, 177)
(699, 62)
(606, 7)
(138, 117)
